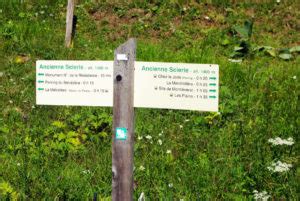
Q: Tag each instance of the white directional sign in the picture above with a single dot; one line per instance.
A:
(176, 86)
(156, 85)
(81, 83)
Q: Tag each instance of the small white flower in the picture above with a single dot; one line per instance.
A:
(42, 12)
(169, 151)
(11, 80)
(170, 185)
(279, 167)
(140, 137)
(86, 171)
(161, 133)
(186, 120)
(141, 168)
(18, 164)
(10, 101)
(262, 196)
(294, 77)
(33, 107)
(235, 60)
(278, 141)
(278, 1)
(149, 137)
(0, 10)
(206, 17)
(51, 15)
(180, 126)
(142, 197)
(159, 142)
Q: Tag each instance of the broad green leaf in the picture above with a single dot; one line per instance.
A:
(244, 31)
(295, 49)
(225, 42)
(271, 52)
(285, 56)
(238, 48)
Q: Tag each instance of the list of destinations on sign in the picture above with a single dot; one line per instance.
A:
(156, 85)
(78, 83)
(176, 86)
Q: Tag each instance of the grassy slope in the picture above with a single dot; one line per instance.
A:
(213, 156)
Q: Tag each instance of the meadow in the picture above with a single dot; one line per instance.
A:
(249, 150)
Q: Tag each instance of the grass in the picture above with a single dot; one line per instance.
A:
(65, 152)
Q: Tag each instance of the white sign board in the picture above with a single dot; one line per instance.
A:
(78, 83)
(156, 85)
(176, 86)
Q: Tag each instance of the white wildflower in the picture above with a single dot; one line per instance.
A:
(169, 151)
(262, 196)
(86, 171)
(294, 77)
(10, 101)
(141, 168)
(278, 1)
(279, 167)
(42, 12)
(142, 197)
(140, 137)
(161, 133)
(33, 107)
(278, 141)
(149, 137)
(18, 164)
(159, 142)
(170, 185)
(206, 17)
(186, 120)
(1, 11)
(180, 126)
(235, 60)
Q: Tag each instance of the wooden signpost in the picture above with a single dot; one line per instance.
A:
(125, 84)
(69, 23)
(123, 122)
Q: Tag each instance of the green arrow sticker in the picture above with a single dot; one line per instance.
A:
(121, 133)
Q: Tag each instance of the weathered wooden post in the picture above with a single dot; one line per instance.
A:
(123, 122)
(69, 23)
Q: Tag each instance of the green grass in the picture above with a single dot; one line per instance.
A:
(65, 152)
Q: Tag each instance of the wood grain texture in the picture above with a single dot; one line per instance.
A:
(123, 116)
(69, 23)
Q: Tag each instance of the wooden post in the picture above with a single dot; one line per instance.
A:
(123, 122)
(69, 23)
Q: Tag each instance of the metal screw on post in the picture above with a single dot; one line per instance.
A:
(123, 122)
